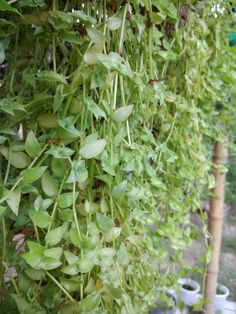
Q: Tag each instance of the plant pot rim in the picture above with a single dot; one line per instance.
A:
(224, 289)
(187, 281)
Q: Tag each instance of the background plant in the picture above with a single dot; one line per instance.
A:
(115, 102)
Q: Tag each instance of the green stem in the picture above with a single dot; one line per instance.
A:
(8, 166)
(20, 179)
(120, 47)
(56, 204)
(60, 286)
(115, 92)
(74, 211)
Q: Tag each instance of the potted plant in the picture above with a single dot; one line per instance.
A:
(222, 292)
(189, 291)
(168, 305)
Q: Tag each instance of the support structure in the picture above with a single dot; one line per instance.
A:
(216, 218)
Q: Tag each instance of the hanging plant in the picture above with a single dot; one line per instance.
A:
(102, 153)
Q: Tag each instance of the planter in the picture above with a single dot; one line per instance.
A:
(221, 295)
(164, 308)
(189, 291)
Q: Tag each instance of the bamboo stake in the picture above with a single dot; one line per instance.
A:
(215, 224)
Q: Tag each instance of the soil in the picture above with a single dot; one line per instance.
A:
(188, 287)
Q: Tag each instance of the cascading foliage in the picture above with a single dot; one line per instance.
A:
(105, 110)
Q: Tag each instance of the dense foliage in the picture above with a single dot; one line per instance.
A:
(107, 113)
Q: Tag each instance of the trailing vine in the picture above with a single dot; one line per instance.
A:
(106, 111)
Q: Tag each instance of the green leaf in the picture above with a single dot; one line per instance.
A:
(113, 23)
(112, 234)
(60, 152)
(90, 303)
(51, 77)
(85, 265)
(35, 247)
(53, 252)
(50, 263)
(81, 15)
(31, 3)
(70, 270)
(34, 259)
(40, 219)
(32, 145)
(48, 120)
(119, 190)
(90, 138)
(104, 223)
(108, 163)
(91, 55)
(93, 149)
(66, 215)
(106, 253)
(13, 200)
(34, 274)
(33, 174)
(49, 185)
(71, 258)
(68, 125)
(2, 53)
(2, 138)
(71, 37)
(79, 172)
(66, 199)
(122, 255)
(58, 98)
(93, 107)
(18, 160)
(122, 114)
(22, 304)
(104, 206)
(70, 284)
(2, 210)
(54, 236)
(113, 61)
(4, 6)
(75, 238)
(88, 208)
(115, 292)
(96, 36)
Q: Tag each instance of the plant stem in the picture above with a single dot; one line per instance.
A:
(20, 179)
(60, 286)
(8, 166)
(120, 47)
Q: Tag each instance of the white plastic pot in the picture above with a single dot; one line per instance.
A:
(221, 298)
(189, 296)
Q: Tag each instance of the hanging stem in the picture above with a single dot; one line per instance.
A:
(60, 286)
(120, 47)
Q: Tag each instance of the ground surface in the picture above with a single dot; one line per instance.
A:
(227, 274)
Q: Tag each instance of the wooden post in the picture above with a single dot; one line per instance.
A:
(215, 224)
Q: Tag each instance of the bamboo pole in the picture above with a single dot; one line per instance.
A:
(215, 224)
